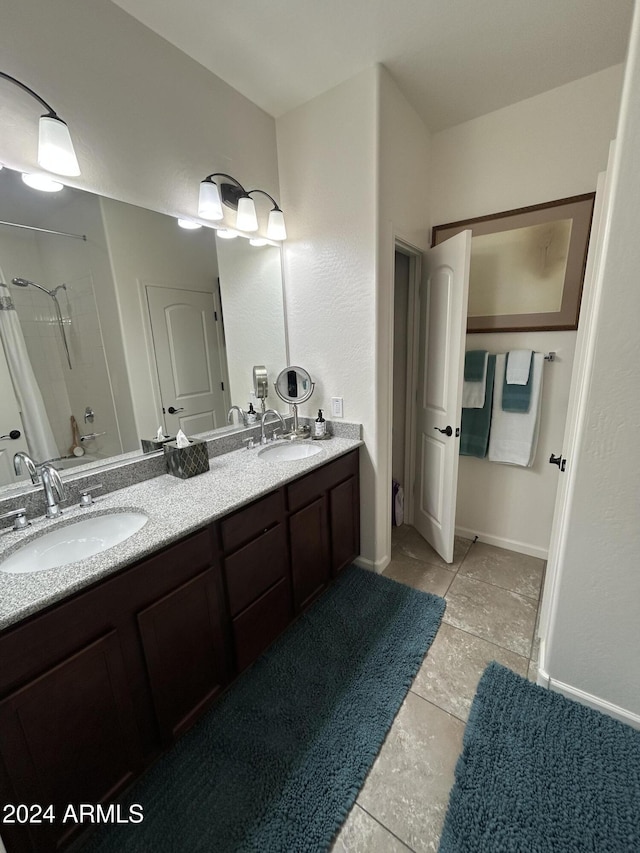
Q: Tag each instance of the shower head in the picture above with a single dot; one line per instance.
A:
(24, 282)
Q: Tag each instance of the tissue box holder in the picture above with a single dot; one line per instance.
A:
(150, 445)
(185, 462)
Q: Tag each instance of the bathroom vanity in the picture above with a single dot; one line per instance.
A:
(96, 684)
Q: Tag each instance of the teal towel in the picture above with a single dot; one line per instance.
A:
(516, 398)
(474, 365)
(476, 423)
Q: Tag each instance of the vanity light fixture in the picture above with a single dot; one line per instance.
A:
(227, 233)
(55, 148)
(234, 195)
(189, 224)
(258, 241)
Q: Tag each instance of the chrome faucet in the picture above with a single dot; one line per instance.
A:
(21, 458)
(242, 416)
(52, 482)
(263, 437)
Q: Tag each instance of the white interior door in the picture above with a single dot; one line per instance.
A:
(580, 378)
(187, 355)
(443, 298)
(10, 419)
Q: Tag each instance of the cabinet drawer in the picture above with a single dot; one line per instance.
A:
(247, 523)
(255, 568)
(308, 488)
(259, 625)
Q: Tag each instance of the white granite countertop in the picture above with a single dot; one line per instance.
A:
(175, 508)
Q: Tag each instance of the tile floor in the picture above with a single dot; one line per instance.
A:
(492, 601)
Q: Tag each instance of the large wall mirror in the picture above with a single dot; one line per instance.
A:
(134, 323)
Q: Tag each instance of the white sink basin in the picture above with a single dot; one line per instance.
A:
(289, 451)
(73, 542)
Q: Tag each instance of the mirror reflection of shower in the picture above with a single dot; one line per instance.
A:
(24, 282)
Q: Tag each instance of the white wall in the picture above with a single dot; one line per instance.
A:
(508, 506)
(148, 123)
(594, 638)
(547, 147)
(353, 167)
(327, 160)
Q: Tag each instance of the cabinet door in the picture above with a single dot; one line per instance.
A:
(185, 652)
(259, 625)
(309, 552)
(344, 514)
(69, 737)
(257, 567)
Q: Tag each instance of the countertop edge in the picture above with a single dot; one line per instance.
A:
(163, 499)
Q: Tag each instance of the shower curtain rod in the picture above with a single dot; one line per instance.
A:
(44, 230)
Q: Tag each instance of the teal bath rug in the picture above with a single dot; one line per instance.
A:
(276, 765)
(540, 773)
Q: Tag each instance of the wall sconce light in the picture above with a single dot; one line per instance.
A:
(234, 195)
(55, 148)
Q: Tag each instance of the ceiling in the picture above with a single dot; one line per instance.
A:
(453, 59)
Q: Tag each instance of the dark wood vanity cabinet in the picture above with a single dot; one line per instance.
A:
(95, 687)
(324, 526)
(92, 689)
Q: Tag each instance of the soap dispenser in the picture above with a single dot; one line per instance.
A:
(252, 415)
(319, 426)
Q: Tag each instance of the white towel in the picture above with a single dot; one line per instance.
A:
(518, 364)
(514, 435)
(473, 392)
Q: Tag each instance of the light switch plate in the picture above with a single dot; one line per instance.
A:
(337, 407)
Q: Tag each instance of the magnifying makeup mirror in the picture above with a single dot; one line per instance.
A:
(295, 386)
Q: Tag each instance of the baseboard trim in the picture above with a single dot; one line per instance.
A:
(377, 566)
(501, 542)
(542, 676)
(591, 701)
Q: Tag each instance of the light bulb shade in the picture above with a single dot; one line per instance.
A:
(246, 219)
(44, 183)
(226, 233)
(275, 228)
(55, 148)
(209, 204)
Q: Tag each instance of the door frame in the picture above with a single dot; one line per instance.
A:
(415, 274)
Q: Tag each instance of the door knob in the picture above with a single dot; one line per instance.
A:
(559, 461)
(173, 411)
(15, 433)
(446, 431)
